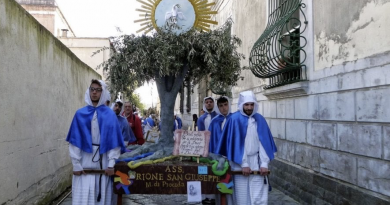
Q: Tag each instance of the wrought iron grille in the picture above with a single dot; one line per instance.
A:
(278, 54)
(219, 88)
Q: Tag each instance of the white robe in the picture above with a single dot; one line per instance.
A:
(85, 188)
(251, 189)
(147, 127)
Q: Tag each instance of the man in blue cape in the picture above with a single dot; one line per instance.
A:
(148, 124)
(248, 143)
(127, 133)
(217, 123)
(209, 113)
(178, 122)
(95, 142)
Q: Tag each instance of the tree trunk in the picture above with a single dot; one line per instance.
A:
(168, 87)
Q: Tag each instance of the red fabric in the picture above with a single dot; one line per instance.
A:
(137, 128)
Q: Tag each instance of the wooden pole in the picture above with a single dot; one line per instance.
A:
(252, 172)
(119, 202)
(94, 171)
(223, 199)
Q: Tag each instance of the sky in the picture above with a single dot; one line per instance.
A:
(100, 18)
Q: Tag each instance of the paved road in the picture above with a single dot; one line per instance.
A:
(276, 197)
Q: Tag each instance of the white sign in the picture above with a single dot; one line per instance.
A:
(191, 143)
(194, 191)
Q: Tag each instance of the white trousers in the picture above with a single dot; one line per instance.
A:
(250, 190)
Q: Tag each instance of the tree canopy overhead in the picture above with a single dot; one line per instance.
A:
(138, 59)
(169, 58)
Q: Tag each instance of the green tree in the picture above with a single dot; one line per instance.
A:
(135, 100)
(168, 58)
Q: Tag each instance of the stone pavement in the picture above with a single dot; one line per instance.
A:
(275, 197)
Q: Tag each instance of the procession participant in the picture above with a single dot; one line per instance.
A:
(178, 122)
(218, 122)
(248, 143)
(194, 121)
(95, 142)
(204, 120)
(148, 124)
(216, 127)
(134, 122)
(127, 133)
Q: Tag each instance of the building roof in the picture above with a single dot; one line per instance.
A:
(37, 2)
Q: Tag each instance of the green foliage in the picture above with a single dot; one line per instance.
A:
(136, 101)
(138, 59)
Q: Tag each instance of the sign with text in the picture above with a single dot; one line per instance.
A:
(191, 143)
(152, 136)
(163, 179)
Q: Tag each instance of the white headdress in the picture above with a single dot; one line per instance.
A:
(204, 106)
(216, 105)
(103, 98)
(247, 97)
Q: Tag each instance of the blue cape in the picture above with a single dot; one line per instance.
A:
(216, 131)
(233, 136)
(179, 123)
(150, 121)
(201, 119)
(127, 132)
(80, 130)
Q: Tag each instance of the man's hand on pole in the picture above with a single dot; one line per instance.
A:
(109, 171)
(78, 173)
(246, 171)
(263, 171)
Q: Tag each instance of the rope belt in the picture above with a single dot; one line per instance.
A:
(101, 167)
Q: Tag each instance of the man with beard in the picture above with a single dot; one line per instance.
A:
(248, 143)
(204, 120)
(127, 133)
(95, 142)
(135, 123)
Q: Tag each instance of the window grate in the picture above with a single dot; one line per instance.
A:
(278, 54)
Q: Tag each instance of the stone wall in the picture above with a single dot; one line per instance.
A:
(332, 131)
(43, 84)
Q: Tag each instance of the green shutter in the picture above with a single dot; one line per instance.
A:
(278, 54)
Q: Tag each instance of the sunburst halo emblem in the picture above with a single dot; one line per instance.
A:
(178, 14)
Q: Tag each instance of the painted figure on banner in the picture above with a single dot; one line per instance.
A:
(171, 17)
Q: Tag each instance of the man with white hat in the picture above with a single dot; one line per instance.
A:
(248, 143)
(95, 142)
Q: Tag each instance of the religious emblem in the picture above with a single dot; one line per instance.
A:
(172, 16)
(176, 15)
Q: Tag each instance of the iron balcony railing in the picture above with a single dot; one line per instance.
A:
(278, 54)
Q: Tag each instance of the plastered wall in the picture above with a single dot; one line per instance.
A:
(332, 131)
(43, 84)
